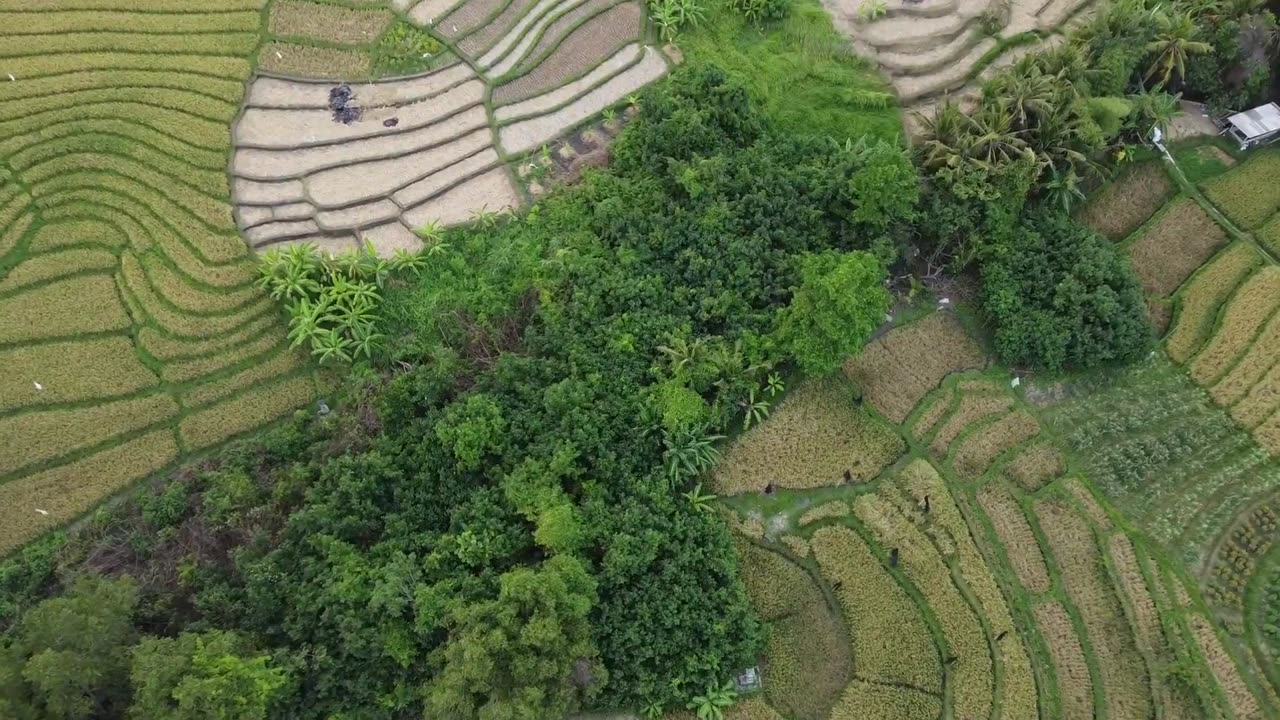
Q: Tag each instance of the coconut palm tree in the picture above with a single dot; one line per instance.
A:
(1175, 41)
(1026, 95)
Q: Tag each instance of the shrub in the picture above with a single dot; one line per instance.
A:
(403, 50)
(762, 11)
(1061, 296)
(840, 302)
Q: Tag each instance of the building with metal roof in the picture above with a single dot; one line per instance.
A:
(1255, 127)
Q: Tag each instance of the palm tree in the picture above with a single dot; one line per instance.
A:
(1026, 95)
(1063, 189)
(1174, 43)
(753, 411)
(1156, 109)
(994, 141)
(685, 356)
(688, 454)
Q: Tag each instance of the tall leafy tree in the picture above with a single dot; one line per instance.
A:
(1176, 40)
(840, 302)
(206, 676)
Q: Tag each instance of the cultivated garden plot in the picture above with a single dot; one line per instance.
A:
(931, 50)
(132, 331)
(338, 164)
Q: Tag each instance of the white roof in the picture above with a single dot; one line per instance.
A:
(1262, 120)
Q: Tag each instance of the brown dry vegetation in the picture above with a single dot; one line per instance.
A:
(941, 403)
(970, 410)
(1261, 401)
(1268, 434)
(1145, 616)
(1068, 660)
(1248, 194)
(1124, 677)
(44, 435)
(1036, 466)
(980, 449)
(313, 62)
(813, 436)
(1199, 302)
(1250, 308)
(1122, 206)
(246, 412)
(901, 367)
(1249, 369)
(331, 23)
(1088, 503)
(1173, 247)
(59, 368)
(1015, 534)
(890, 639)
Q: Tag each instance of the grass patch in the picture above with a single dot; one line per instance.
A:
(801, 70)
(815, 435)
(1269, 234)
(1124, 204)
(896, 371)
(1200, 300)
(1247, 312)
(1182, 239)
(285, 58)
(972, 409)
(1202, 162)
(405, 50)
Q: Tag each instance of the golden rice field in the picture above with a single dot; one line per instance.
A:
(130, 330)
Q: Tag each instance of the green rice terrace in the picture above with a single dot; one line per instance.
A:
(638, 359)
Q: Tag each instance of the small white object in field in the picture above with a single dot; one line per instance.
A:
(1015, 382)
(426, 54)
(888, 317)
(12, 78)
(279, 55)
(42, 512)
(944, 301)
(39, 387)
(455, 27)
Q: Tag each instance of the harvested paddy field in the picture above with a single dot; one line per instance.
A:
(1124, 205)
(338, 165)
(118, 250)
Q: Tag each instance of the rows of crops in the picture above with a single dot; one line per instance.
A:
(132, 333)
(1010, 586)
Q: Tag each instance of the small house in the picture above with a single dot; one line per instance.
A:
(1255, 127)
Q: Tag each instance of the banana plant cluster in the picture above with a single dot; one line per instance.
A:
(332, 300)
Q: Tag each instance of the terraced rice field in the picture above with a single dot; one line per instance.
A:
(131, 333)
(991, 549)
(931, 50)
(435, 148)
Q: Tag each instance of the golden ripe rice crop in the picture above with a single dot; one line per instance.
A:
(330, 23)
(972, 408)
(1014, 532)
(972, 671)
(869, 701)
(891, 641)
(939, 405)
(1246, 314)
(1248, 194)
(1242, 701)
(815, 435)
(896, 371)
(836, 508)
(1036, 466)
(1177, 243)
(1199, 302)
(980, 449)
(115, 218)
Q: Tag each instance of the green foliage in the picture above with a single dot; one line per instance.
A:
(681, 407)
(525, 654)
(1110, 113)
(404, 49)
(26, 574)
(74, 649)
(471, 429)
(762, 11)
(800, 71)
(1061, 296)
(1175, 41)
(199, 676)
(840, 302)
(711, 703)
(871, 10)
(165, 507)
(333, 300)
(674, 16)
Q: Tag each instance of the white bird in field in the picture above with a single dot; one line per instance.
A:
(39, 387)
(279, 55)
(42, 512)
(12, 78)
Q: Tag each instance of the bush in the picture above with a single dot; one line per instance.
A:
(1061, 296)
(762, 11)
